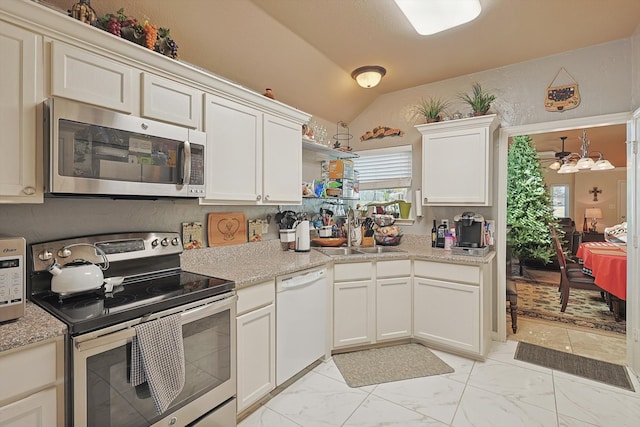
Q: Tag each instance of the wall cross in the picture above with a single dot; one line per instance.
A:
(595, 193)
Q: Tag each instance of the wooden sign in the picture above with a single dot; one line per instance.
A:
(226, 228)
(561, 98)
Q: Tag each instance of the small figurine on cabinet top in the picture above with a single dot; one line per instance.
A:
(83, 12)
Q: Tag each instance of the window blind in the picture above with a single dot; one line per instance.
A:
(384, 167)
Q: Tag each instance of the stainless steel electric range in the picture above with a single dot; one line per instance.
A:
(144, 283)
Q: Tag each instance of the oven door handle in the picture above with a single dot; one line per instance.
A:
(127, 331)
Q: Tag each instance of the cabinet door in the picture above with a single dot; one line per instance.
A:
(90, 78)
(234, 151)
(462, 179)
(393, 298)
(37, 410)
(169, 101)
(256, 355)
(282, 151)
(21, 90)
(353, 313)
(447, 313)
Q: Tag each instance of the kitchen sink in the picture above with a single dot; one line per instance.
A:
(339, 251)
(379, 250)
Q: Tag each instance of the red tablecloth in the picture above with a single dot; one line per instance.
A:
(608, 265)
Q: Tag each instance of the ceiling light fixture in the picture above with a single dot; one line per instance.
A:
(433, 16)
(368, 76)
(574, 162)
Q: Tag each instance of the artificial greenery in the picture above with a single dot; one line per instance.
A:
(431, 108)
(479, 100)
(529, 210)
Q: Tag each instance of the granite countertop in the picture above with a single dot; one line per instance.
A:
(36, 325)
(251, 263)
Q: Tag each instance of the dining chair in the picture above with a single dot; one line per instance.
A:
(571, 279)
(570, 266)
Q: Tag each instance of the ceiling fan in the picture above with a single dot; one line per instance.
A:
(552, 156)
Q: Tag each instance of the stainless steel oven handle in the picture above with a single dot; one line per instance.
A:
(126, 330)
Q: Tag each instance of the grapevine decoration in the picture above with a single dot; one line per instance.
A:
(143, 33)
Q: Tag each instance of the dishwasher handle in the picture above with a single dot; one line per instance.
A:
(302, 280)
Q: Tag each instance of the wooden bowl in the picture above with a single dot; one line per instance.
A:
(329, 241)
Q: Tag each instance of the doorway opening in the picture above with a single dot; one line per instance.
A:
(557, 330)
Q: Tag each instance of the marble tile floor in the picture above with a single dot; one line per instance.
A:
(592, 343)
(499, 392)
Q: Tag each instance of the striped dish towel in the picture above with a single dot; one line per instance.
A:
(157, 357)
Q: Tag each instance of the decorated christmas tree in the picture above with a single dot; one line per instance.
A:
(529, 210)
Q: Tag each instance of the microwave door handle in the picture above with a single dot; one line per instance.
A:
(186, 163)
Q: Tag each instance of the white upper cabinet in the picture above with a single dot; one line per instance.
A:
(170, 101)
(86, 77)
(252, 157)
(21, 91)
(457, 161)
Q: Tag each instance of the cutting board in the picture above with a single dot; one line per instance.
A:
(226, 228)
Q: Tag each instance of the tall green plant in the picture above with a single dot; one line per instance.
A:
(529, 210)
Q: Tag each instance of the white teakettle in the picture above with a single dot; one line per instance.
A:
(77, 276)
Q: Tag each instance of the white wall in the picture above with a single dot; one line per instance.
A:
(603, 72)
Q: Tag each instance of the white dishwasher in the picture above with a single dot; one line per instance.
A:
(301, 321)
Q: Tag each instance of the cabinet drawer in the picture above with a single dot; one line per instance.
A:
(394, 268)
(85, 77)
(28, 369)
(448, 272)
(255, 296)
(170, 101)
(353, 271)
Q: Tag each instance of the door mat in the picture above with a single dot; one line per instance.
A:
(387, 364)
(597, 370)
(585, 308)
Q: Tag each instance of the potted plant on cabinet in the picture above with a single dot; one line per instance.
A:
(430, 109)
(479, 100)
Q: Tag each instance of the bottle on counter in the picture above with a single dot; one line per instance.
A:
(448, 241)
(453, 235)
(434, 232)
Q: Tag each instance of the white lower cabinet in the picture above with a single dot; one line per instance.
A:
(33, 376)
(37, 410)
(256, 343)
(353, 304)
(393, 299)
(371, 302)
(451, 305)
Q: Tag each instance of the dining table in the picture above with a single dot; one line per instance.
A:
(607, 263)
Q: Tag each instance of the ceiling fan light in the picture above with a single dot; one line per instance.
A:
(585, 163)
(368, 76)
(602, 165)
(434, 16)
(555, 165)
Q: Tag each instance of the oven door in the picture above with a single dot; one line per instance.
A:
(103, 395)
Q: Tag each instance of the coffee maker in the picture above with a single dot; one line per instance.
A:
(469, 230)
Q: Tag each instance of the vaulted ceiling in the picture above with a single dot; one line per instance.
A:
(305, 50)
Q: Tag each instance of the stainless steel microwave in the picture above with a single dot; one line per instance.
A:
(92, 151)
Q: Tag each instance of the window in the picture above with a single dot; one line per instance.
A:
(560, 200)
(384, 174)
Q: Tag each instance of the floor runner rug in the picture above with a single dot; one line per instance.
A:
(597, 370)
(395, 363)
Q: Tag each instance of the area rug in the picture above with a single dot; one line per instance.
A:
(387, 364)
(597, 370)
(585, 308)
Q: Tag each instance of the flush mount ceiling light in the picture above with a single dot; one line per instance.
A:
(368, 76)
(433, 16)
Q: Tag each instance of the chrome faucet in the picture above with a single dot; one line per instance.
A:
(350, 217)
